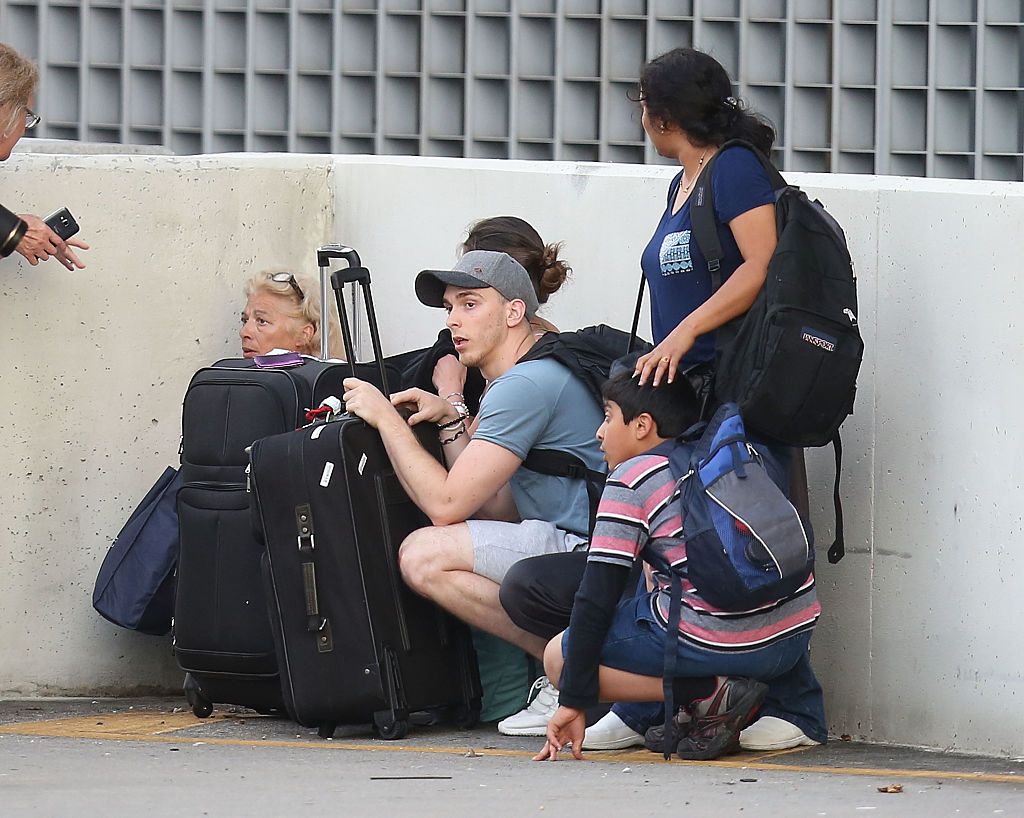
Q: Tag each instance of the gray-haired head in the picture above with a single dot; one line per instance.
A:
(18, 80)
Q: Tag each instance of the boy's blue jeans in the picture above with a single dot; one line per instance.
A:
(635, 643)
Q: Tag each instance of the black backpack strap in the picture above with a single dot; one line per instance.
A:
(838, 547)
(702, 208)
(705, 229)
(636, 314)
(562, 464)
(669, 673)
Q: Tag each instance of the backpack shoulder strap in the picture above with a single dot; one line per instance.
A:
(563, 464)
(702, 208)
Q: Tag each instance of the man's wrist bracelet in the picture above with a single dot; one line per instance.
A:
(460, 407)
(454, 437)
(451, 425)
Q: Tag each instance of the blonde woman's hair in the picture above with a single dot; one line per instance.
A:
(18, 80)
(307, 310)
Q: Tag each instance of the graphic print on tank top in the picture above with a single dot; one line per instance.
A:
(675, 254)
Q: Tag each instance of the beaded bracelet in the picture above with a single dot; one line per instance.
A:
(451, 425)
(460, 407)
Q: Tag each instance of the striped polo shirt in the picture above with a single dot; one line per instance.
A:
(640, 502)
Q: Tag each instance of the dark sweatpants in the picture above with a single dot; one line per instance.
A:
(537, 592)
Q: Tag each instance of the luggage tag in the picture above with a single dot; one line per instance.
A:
(282, 360)
(318, 418)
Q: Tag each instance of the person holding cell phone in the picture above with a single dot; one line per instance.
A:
(34, 238)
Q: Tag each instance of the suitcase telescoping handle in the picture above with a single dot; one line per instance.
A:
(323, 259)
(355, 273)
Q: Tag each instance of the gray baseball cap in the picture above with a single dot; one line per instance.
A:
(475, 270)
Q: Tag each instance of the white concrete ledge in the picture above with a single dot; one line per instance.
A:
(918, 644)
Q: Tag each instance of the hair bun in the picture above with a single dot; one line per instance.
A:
(555, 272)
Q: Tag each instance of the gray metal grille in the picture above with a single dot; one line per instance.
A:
(909, 87)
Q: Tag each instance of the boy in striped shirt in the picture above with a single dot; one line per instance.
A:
(615, 651)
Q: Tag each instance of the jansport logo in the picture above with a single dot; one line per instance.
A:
(818, 339)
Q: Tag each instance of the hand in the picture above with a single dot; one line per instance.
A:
(68, 258)
(449, 376)
(567, 725)
(426, 406)
(663, 360)
(39, 241)
(366, 401)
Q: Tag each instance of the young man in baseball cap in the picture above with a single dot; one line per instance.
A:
(488, 511)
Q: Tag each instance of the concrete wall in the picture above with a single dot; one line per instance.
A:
(918, 643)
(95, 366)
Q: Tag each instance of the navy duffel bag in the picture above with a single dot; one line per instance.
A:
(135, 584)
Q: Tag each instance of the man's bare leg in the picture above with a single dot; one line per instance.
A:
(437, 563)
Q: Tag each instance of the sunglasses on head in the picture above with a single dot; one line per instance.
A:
(288, 278)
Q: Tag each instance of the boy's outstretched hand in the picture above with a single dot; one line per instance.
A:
(567, 725)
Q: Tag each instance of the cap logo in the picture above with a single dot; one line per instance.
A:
(478, 269)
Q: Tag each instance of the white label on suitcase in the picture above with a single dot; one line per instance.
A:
(362, 464)
(325, 478)
(317, 431)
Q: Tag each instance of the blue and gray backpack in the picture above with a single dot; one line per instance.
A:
(746, 545)
(745, 542)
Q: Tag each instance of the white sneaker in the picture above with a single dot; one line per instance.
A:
(610, 733)
(533, 721)
(771, 733)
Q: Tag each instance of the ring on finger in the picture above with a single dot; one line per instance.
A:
(666, 359)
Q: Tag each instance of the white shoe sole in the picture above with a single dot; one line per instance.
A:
(785, 744)
(613, 744)
(523, 731)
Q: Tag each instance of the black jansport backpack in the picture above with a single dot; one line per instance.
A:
(791, 361)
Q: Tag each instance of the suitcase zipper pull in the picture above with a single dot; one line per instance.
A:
(248, 478)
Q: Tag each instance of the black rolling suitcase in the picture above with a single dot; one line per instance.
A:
(222, 636)
(354, 644)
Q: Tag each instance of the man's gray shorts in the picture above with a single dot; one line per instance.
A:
(498, 546)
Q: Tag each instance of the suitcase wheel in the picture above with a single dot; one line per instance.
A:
(326, 730)
(388, 727)
(202, 707)
(466, 718)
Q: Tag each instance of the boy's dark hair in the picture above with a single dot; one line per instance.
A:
(673, 406)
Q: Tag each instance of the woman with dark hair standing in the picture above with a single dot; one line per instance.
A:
(689, 112)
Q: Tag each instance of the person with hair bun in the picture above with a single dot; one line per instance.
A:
(689, 112)
(515, 236)
(282, 311)
(547, 271)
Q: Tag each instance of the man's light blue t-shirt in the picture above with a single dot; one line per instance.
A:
(541, 405)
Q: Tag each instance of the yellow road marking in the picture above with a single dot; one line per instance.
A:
(158, 727)
(110, 725)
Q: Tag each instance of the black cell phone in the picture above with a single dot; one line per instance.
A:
(62, 223)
